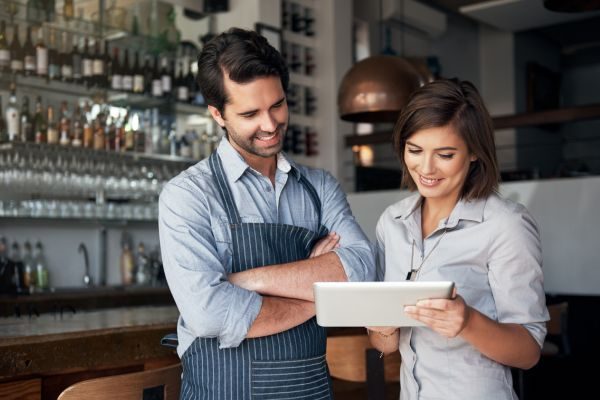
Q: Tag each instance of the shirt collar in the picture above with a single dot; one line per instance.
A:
(235, 165)
(466, 210)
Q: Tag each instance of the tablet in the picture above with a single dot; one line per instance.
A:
(345, 304)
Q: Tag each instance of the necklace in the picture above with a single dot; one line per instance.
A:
(412, 274)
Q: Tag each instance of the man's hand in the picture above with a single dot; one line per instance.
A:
(325, 244)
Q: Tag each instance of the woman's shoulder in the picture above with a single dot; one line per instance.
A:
(501, 208)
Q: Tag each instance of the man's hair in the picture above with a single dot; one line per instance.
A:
(454, 103)
(242, 54)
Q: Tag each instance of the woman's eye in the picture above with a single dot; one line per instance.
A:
(414, 151)
(447, 156)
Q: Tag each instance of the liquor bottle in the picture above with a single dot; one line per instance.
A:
(4, 50)
(115, 73)
(65, 59)
(191, 84)
(29, 63)
(3, 133)
(27, 134)
(148, 74)
(98, 127)
(127, 261)
(41, 55)
(126, 73)
(12, 116)
(181, 86)
(77, 59)
(28, 267)
(88, 132)
(87, 65)
(156, 80)
(166, 78)
(41, 267)
(68, 10)
(64, 125)
(138, 76)
(54, 66)
(52, 133)
(40, 127)
(16, 53)
(18, 267)
(77, 127)
(142, 276)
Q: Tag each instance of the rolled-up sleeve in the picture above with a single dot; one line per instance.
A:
(209, 305)
(515, 273)
(356, 252)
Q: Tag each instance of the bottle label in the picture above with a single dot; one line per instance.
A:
(4, 58)
(98, 67)
(116, 82)
(16, 65)
(53, 71)
(12, 124)
(127, 82)
(66, 71)
(157, 88)
(87, 67)
(30, 63)
(41, 57)
(166, 83)
(182, 93)
(52, 136)
(138, 83)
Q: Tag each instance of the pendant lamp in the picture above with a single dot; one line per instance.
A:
(378, 87)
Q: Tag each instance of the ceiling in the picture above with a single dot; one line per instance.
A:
(568, 30)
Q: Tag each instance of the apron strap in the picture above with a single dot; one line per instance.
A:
(312, 192)
(216, 167)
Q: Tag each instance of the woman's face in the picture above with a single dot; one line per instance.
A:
(438, 161)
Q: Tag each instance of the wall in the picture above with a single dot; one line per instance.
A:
(566, 213)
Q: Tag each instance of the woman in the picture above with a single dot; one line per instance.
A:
(457, 228)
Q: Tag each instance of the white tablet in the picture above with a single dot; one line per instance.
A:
(345, 304)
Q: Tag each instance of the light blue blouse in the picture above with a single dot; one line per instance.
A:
(492, 252)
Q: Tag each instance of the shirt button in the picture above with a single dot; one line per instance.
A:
(268, 188)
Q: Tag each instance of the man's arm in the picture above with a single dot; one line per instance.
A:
(279, 314)
(353, 260)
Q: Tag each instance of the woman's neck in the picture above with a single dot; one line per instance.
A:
(433, 211)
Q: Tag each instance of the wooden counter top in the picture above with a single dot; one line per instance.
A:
(85, 340)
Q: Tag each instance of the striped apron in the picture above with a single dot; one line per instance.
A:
(287, 365)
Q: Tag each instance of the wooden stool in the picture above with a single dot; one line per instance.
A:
(160, 383)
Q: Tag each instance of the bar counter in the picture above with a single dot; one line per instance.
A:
(45, 354)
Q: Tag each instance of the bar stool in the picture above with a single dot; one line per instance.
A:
(161, 383)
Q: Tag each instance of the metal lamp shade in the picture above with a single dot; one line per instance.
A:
(376, 88)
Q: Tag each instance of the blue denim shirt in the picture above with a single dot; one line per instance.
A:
(196, 246)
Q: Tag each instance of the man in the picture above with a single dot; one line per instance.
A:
(244, 331)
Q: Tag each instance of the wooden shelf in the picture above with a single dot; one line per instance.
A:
(539, 118)
(557, 116)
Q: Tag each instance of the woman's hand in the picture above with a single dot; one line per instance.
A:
(448, 317)
(325, 244)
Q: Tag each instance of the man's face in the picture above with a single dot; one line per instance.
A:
(256, 116)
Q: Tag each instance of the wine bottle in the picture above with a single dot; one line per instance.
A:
(126, 73)
(87, 65)
(115, 73)
(156, 80)
(98, 66)
(3, 133)
(166, 78)
(52, 133)
(39, 122)
(54, 66)
(77, 59)
(29, 62)
(138, 76)
(16, 53)
(66, 59)
(27, 134)
(41, 55)
(4, 50)
(181, 87)
(12, 116)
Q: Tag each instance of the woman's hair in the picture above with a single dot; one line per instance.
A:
(242, 54)
(455, 103)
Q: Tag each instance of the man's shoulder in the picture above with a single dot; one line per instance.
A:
(196, 178)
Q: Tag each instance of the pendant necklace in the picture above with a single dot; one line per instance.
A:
(412, 274)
